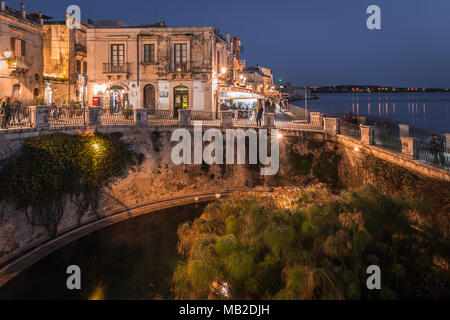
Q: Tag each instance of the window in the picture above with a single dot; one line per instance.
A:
(18, 47)
(78, 67)
(218, 61)
(117, 54)
(85, 67)
(149, 53)
(17, 90)
(181, 55)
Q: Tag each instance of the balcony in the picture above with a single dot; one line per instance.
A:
(18, 64)
(111, 69)
(181, 67)
(80, 48)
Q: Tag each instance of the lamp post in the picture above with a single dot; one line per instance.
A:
(7, 54)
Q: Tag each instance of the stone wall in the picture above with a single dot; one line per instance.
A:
(305, 157)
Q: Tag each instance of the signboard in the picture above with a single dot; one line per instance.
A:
(163, 94)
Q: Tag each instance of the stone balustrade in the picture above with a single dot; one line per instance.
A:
(184, 117)
(332, 126)
(227, 118)
(39, 116)
(405, 130)
(141, 117)
(269, 120)
(409, 147)
(367, 134)
(93, 116)
(316, 119)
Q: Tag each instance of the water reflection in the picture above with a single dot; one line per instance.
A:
(427, 110)
(131, 260)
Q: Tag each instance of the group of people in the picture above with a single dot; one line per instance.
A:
(350, 118)
(285, 106)
(437, 148)
(10, 108)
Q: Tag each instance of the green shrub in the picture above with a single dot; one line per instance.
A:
(50, 168)
(309, 244)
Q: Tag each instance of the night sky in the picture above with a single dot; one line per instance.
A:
(307, 42)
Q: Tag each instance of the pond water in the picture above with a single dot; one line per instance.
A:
(131, 260)
(429, 111)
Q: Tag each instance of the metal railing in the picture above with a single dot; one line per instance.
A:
(114, 116)
(59, 117)
(184, 66)
(164, 114)
(203, 115)
(387, 139)
(350, 130)
(297, 125)
(435, 154)
(110, 68)
(19, 117)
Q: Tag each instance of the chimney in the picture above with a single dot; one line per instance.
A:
(2, 5)
(24, 13)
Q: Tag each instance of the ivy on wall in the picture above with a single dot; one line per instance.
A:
(325, 167)
(423, 191)
(50, 169)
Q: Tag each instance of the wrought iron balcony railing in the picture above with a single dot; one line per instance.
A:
(18, 64)
(181, 66)
(109, 68)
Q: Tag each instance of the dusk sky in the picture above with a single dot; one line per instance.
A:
(320, 42)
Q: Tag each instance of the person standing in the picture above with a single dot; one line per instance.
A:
(6, 110)
(259, 116)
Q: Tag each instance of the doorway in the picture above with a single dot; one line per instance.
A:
(149, 98)
(118, 99)
(181, 99)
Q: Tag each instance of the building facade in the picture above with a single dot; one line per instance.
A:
(65, 61)
(260, 80)
(159, 68)
(21, 61)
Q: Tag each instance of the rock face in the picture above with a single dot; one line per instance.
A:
(305, 158)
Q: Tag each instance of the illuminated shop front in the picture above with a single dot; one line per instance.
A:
(239, 99)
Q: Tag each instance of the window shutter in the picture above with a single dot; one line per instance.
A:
(13, 46)
(23, 47)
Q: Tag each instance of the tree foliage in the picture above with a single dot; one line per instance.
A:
(50, 168)
(309, 244)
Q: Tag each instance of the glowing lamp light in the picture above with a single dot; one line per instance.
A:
(96, 147)
(7, 54)
(357, 149)
(280, 136)
(218, 196)
(224, 70)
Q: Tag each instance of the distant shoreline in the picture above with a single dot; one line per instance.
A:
(376, 91)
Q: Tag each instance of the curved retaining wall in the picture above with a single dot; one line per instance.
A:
(158, 178)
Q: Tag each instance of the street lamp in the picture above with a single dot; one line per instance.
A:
(7, 54)
(224, 70)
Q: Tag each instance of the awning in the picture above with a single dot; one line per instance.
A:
(242, 98)
(238, 95)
